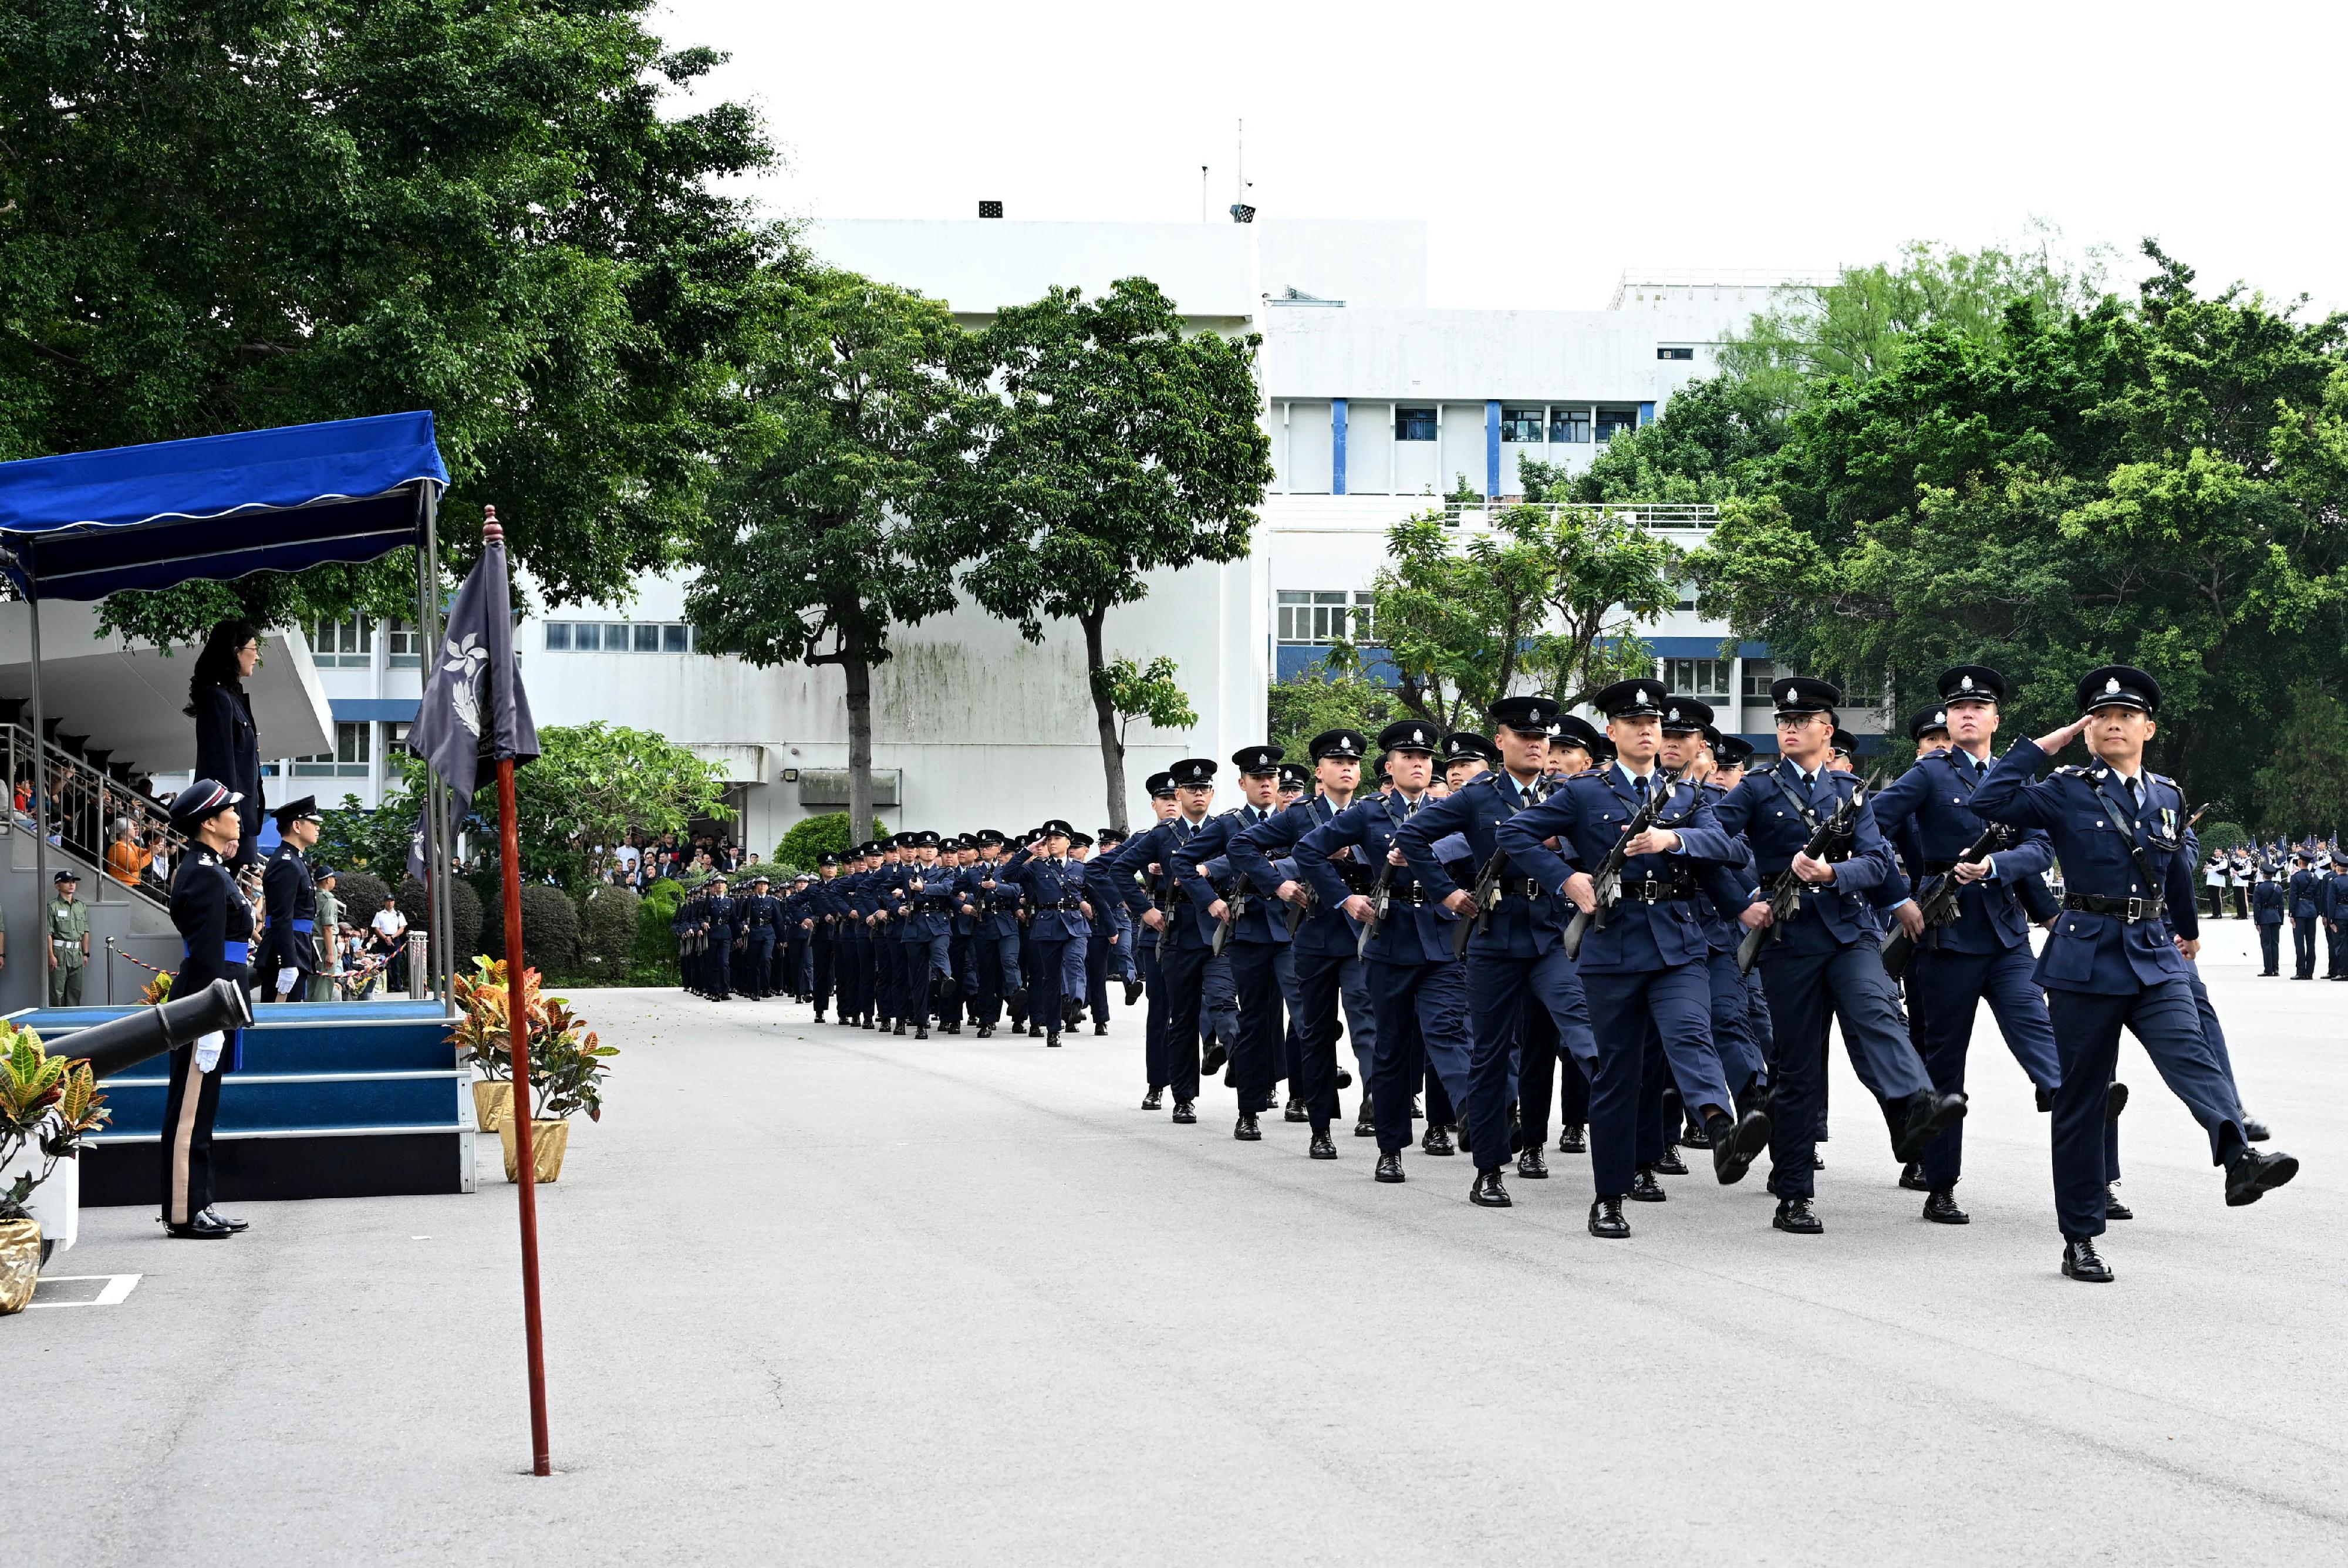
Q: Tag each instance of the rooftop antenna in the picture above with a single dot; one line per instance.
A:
(1241, 211)
(1203, 193)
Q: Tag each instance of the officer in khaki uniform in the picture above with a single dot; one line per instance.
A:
(68, 932)
(328, 935)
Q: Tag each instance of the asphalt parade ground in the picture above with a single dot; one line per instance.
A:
(816, 1295)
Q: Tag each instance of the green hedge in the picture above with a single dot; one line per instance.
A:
(804, 845)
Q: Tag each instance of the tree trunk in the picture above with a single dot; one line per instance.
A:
(852, 665)
(1105, 715)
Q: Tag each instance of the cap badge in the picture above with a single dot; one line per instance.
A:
(1942, 717)
(1966, 684)
(1674, 714)
(2112, 685)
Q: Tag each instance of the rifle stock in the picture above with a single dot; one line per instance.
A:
(1938, 906)
(1486, 884)
(1786, 888)
(1381, 896)
(1608, 877)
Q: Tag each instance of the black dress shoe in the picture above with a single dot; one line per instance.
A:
(1132, 992)
(1941, 1208)
(1533, 1164)
(1606, 1221)
(1572, 1138)
(203, 1228)
(1245, 1130)
(1214, 1059)
(1323, 1146)
(1100, 1028)
(1366, 1124)
(1344, 1079)
(1670, 1164)
(1818, 1160)
(1035, 1032)
(1645, 1189)
(1051, 1040)
(1930, 1114)
(923, 1032)
(1437, 1141)
(217, 1218)
(818, 1015)
(1294, 1111)
(1016, 1002)
(2114, 1101)
(2113, 1208)
(1487, 1192)
(1185, 1112)
(1794, 1217)
(1735, 1145)
(2082, 1262)
(1390, 1166)
(1153, 1100)
(986, 1031)
(2252, 1173)
(2254, 1129)
(1459, 1133)
(1911, 1177)
(2045, 1096)
(1693, 1136)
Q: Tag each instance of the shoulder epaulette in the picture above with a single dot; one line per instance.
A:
(1592, 773)
(2071, 770)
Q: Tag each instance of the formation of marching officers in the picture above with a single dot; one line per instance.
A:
(1634, 924)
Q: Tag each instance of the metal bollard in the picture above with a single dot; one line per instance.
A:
(420, 965)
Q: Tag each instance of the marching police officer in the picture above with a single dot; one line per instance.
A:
(2111, 960)
(1255, 938)
(67, 919)
(1060, 922)
(816, 918)
(1108, 951)
(991, 902)
(215, 925)
(761, 922)
(1185, 933)
(289, 952)
(925, 933)
(720, 916)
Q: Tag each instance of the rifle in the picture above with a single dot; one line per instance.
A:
(1299, 911)
(1785, 890)
(1938, 906)
(1381, 896)
(1486, 895)
(1234, 907)
(1608, 877)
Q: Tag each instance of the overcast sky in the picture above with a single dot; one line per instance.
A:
(1550, 146)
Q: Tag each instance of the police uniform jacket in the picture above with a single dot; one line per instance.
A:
(1265, 919)
(292, 901)
(721, 914)
(1055, 888)
(1930, 807)
(1587, 816)
(927, 898)
(2100, 950)
(1768, 808)
(215, 922)
(994, 909)
(1729, 886)
(760, 912)
(1326, 931)
(2336, 896)
(1103, 890)
(1528, 921)
(2306, 894)
(2267, 901)
(1418, 929)
(1187, 923)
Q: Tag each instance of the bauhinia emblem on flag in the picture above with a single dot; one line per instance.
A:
(474, 710)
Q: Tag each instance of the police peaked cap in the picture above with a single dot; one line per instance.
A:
(204, 797)
(1733, 751)
(1257, 758)
(1924, 720)
(986, 836)
(1056, 829)
(828, 859)
(1194, 770)
(1686, 715)
(1159, 785)
(1110, 836)
(1407, 734)
(761, 880)
(1292, 776)
(1844, 742)
(1529, 714)
(1467, 746)
(1347, 745)
(1641, 696)
(293, 812)
(1573, 729)
(1804, 695)
(2118, 686)
(1973, 683)
(1080, 841)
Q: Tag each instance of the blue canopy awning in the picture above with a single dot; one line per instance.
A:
(82, 525)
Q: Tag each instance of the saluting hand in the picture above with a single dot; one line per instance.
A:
(2055, 740)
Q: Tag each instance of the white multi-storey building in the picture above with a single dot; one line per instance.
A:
(1376, 407)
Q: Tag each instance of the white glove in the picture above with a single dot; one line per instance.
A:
(208, 1050)
(285, 978)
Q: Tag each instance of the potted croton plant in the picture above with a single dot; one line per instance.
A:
(566, 1064)
(483, 1029)
(48, 1108)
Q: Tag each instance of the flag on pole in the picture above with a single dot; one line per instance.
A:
(474, 710)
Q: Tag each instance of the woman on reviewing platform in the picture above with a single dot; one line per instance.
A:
(228, 746)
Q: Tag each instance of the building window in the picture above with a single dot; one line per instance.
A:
(619, 638)
(1758, 674)
(648, 637)
(349, 759)
(1706, 679)
(1414, 424)
(1662, 353)
(558, 636)
(1522, 425)
(402, 645)
(1613, 421)
(1687, 592)
(1308, 617)
(342, 645)
(1569, 424)
(672, 638)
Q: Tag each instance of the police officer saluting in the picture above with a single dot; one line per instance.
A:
(2118, 830)
(215, 922)
(289, 952)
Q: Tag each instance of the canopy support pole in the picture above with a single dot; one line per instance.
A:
(41, 775)
(443, 836)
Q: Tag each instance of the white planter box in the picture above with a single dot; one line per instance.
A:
(55, 1203)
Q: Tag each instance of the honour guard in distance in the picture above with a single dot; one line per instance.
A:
(1405, 943)
(1108, 951)
(2306, 910)
(1059, 919)
(2268, 901)
(1819, 857)
(1254, 938)
(67, 919)
(2111, 959)
(289, 952)
(215, 922)
(1322, 945)
(1184, 931)
(719, 917)
(991, 902)
(762, 918)
(1978, 949)
(1633, 844)
(2334, 906)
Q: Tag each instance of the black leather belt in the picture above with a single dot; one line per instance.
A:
(2128, 909)
(1414, 896)
(1517, 887)
(1061, 905)
(1660, 889)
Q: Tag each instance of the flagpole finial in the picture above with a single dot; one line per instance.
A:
(492, 532)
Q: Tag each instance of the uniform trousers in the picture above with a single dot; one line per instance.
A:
(997, 978)
(1255, 1057)
(1496, 989)
(1422, 1037)
(887, 973)
(1808, 987)
(758, 961)
(1059, 972)
(1572, 1081)
(2335, 947)
(806, 957)
(2217, 891)
(2271, 948)
(1098, 956)
(1219, 1008)
(721, 962)
(190, 1106)
(2302, 943)
(1945, 989)
(1742, 1059)
(1671, 1006)
(1174, 1061)
(1153, 1006)
(2165, 1021)
(928, 961)
(822, 954)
